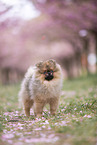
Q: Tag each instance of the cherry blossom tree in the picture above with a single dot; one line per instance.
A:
(72, 20)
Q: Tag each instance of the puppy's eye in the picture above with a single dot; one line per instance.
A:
(44, 72)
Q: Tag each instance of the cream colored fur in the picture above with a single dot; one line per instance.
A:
(36, 91)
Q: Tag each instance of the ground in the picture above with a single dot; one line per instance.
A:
(74, 124)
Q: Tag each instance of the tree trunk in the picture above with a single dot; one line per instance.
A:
(86, 52)
(96, 49)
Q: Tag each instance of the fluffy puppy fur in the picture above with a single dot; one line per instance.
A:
(42, 84)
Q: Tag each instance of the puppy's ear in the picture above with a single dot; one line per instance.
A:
(52, 61)
(39, 64)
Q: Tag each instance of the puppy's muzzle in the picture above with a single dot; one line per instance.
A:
(49, 76)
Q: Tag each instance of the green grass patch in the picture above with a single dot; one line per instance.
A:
(75, 122)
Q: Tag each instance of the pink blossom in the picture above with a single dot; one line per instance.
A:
(49, 128)
(10, 141)
(37, 129)
(46, 122)
(43, 139)
(38, 119)
(7, 136)
(75, 109)
(73, 115)
(20, 128)
(43, 118)
(18, 143)
(51, 135)
(6, 113)
(29, 140)
(89, 116)
(43, 126)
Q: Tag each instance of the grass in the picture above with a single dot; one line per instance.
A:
(75, 122)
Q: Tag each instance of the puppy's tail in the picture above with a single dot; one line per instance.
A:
(24, 92)
(30, 72)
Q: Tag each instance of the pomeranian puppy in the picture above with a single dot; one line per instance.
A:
(42, 84)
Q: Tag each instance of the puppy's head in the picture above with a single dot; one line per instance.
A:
(47, 69)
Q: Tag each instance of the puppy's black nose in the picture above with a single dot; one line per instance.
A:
(49, 76)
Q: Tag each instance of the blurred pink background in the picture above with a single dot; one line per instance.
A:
(34, 30)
